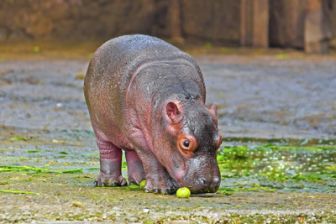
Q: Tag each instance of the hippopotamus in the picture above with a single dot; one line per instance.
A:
(147, 98)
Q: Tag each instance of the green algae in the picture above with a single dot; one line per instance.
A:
(254, 188)
(16, 192)
(33, 151)
(289, 142)
(278, 166)
(32, 169)
(250, 180)
(71, 199)
(16, 138)
(142, 184)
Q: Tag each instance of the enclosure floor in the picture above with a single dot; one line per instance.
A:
(44, 123)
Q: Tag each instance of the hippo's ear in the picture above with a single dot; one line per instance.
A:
(213, 110)
(173, 111)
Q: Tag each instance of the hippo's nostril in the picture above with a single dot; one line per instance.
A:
(202, 181)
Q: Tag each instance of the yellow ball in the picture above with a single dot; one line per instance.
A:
(183, 192)
(142, 184)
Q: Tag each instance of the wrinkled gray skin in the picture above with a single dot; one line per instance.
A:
(144, 96)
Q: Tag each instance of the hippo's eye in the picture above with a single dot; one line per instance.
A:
(187, 144)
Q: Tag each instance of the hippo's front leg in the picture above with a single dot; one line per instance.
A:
(158, 179)
(110, 165)
(135, 169)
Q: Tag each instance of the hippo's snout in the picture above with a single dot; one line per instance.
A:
(206, 186)
(202, 176)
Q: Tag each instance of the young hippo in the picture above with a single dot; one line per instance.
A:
(147, 97)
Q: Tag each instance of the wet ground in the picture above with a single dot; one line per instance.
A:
(278, 160)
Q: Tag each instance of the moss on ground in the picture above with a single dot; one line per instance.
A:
(50, 178)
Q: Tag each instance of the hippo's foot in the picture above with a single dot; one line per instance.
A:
(135, 176)
(163, 184)
(104, 180)
(157, 178)
(135, 169)
(110, 165)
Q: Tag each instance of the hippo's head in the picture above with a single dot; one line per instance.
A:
(187, 147)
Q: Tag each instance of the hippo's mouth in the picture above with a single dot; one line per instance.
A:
(200, 175)
(196, 189)
(201, 185)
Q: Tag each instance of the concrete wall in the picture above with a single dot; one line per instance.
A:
(286, 27)
(216, 20)
(74, 19)
(287, 19)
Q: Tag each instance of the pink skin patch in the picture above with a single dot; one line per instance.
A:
(179, 174)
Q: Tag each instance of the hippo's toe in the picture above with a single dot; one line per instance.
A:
(166, 186)
(104, 180)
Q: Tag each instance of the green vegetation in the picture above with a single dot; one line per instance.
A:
(16, 192)
(142, 184)
(16, 138)
(132, 187)
(31, 169)
(33, 151)
(270, 166)
(253, 175)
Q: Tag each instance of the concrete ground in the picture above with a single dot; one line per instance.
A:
(259, 97)
(42, 108)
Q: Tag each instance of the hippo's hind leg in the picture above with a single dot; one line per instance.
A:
(110, 165)
(135, 169)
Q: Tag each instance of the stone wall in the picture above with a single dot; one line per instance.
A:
(102, 19)
(286, 27)
(215, 21)
(287, 18)
(74, 19)
(211, 20)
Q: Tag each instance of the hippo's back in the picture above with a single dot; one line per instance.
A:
(116, 60)
(112, 66)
